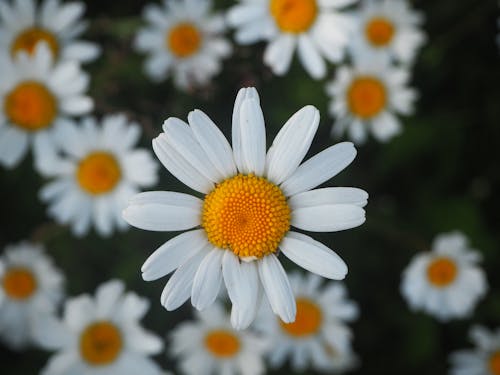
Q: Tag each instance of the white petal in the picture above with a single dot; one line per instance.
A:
(328, 218)
(13, 146)
(310, 57)
(206, 284)
(107, 296)
(77, 105)
(253, 136)
(313, 256)
(278, 54)
(246, 309)
(329, 196)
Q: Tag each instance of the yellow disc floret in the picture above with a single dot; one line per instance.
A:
(441, 272)
(28, 39)
(100, 343)
(98, 173)
(366, 97)
(184, 40)
(246, 214)
(19, 283)
(494, 363)
(294, 16)
(379, 31)
(222, 343)
(307, 321)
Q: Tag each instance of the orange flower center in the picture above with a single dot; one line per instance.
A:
(294, 16)
(222, 343)
(247, 215)
(379, 31)
(366, 97)
(184, 40)
(100, 343)
(494, 363)
(31, 106)
(307, 321)
(29, 38)
(19, 283)
(98, 173)
(441, 272)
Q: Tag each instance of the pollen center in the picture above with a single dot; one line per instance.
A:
(31, 106)
(222, 343)
(19, 283)
(494, 363)
(100, 343)
(98, 173)
(246, 214)
(294, 16)
(27, 40)
(441, 272)
(307, 321)
(366, 97)
(184, 40)
(379, 31)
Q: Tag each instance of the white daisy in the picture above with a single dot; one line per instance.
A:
(251, 200)
(210, 345)
(319, 337)
(484, 359)
(36, 98)
(23, 25)
(101, 335)
(30, 287)
(98, 170)
(389, 28)
(184, 39)
(367, 97)
(316, 28)
(447, 281)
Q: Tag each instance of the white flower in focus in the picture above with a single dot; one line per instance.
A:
(210, 345)
(242, 224)
(389, 28)
(30, 286)
(484, 359)
(23, 25)
(317, 29)
(101, 335)
(447, 281)
(319, 338)
(98, 170)
(367, 98)
(36, 98)
(184, 39)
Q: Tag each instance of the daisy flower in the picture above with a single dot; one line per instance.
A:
(389, 28)
(98, 170)
(184, 39)
(319, 337)
(316, 28)
(210, 345)
(23, 25)
(36, 98)
(367, 97)
(250, 201)
(484, 359)
(447, 281)
(30, 287)
(101, 335)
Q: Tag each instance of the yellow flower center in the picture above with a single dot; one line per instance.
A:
(379, 31)
(98, 173)
(494, 363)
(441, 272)
(222, 343)
(184, 40)
(100, 343)
(19, 283)
(247, 215)
(294, 16)
(307, 321)
(366, 97)
(29, 38)
(31, 106)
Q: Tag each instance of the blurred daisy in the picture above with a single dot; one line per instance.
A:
(98, 170)
(251, 200)
(184, 39)
(484, 359)
(447, 281)
(211, 346)
(30, 287)
(23, 26)
(367, 97)
(389, 28)
(316, 28)
(101, 335)
(36, 98)
(319, 337)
